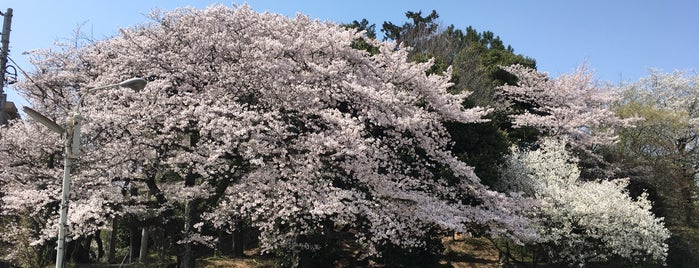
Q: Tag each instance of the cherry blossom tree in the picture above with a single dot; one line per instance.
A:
(580, 222)
(30, 157)
(268, 120)
(570, 106)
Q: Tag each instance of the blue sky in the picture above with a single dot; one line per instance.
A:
(619, 40)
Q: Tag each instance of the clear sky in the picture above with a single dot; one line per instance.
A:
(618, 39)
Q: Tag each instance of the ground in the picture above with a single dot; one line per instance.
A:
(461, 252)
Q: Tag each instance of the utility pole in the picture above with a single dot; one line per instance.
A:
(3, 64)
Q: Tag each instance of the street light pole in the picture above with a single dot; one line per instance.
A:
(72, 148)
(4, 50)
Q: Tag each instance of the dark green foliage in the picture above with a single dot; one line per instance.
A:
(684, 244)
(392, 256)
(363, 26)
(477, 65)
(524, 137)
(482, 146)
(412, 33)
(370, 32)
(475, 59)
(337, 248)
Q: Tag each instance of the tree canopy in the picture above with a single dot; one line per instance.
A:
(660, 153)
(262, 119)
(322, 142)
(581, 222)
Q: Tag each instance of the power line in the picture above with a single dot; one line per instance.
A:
(26, 75)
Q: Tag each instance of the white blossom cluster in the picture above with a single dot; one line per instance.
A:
(579, 222)
(263, 119)
(570, 105)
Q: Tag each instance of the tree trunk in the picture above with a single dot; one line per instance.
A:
(100, 246)
(111, 258)
(190, 210)
(78, 250)
(187, 254)
(144, 245)
(134, 240)
(238, 242)
(231, 244)
(224, 244)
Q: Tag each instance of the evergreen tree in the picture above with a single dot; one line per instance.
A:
(475, 60)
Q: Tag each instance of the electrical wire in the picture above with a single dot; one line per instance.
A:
(25, 74)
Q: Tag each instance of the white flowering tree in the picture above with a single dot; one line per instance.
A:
(262, 119)
(581, 222)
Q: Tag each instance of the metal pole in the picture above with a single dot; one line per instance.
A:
(5, 43)
(73, 124)
(3, 63)
(72, 150)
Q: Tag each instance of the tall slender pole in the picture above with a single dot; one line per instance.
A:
(70, 150)
(3, 63)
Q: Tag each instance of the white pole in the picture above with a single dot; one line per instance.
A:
(72, 149)
(65, 192)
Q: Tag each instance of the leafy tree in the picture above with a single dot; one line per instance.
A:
(272, 121)
(474, 59)
(581, 222)
(415, 33)
(424, 38)
(477, 65)
(369, 32)
(660, 153)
